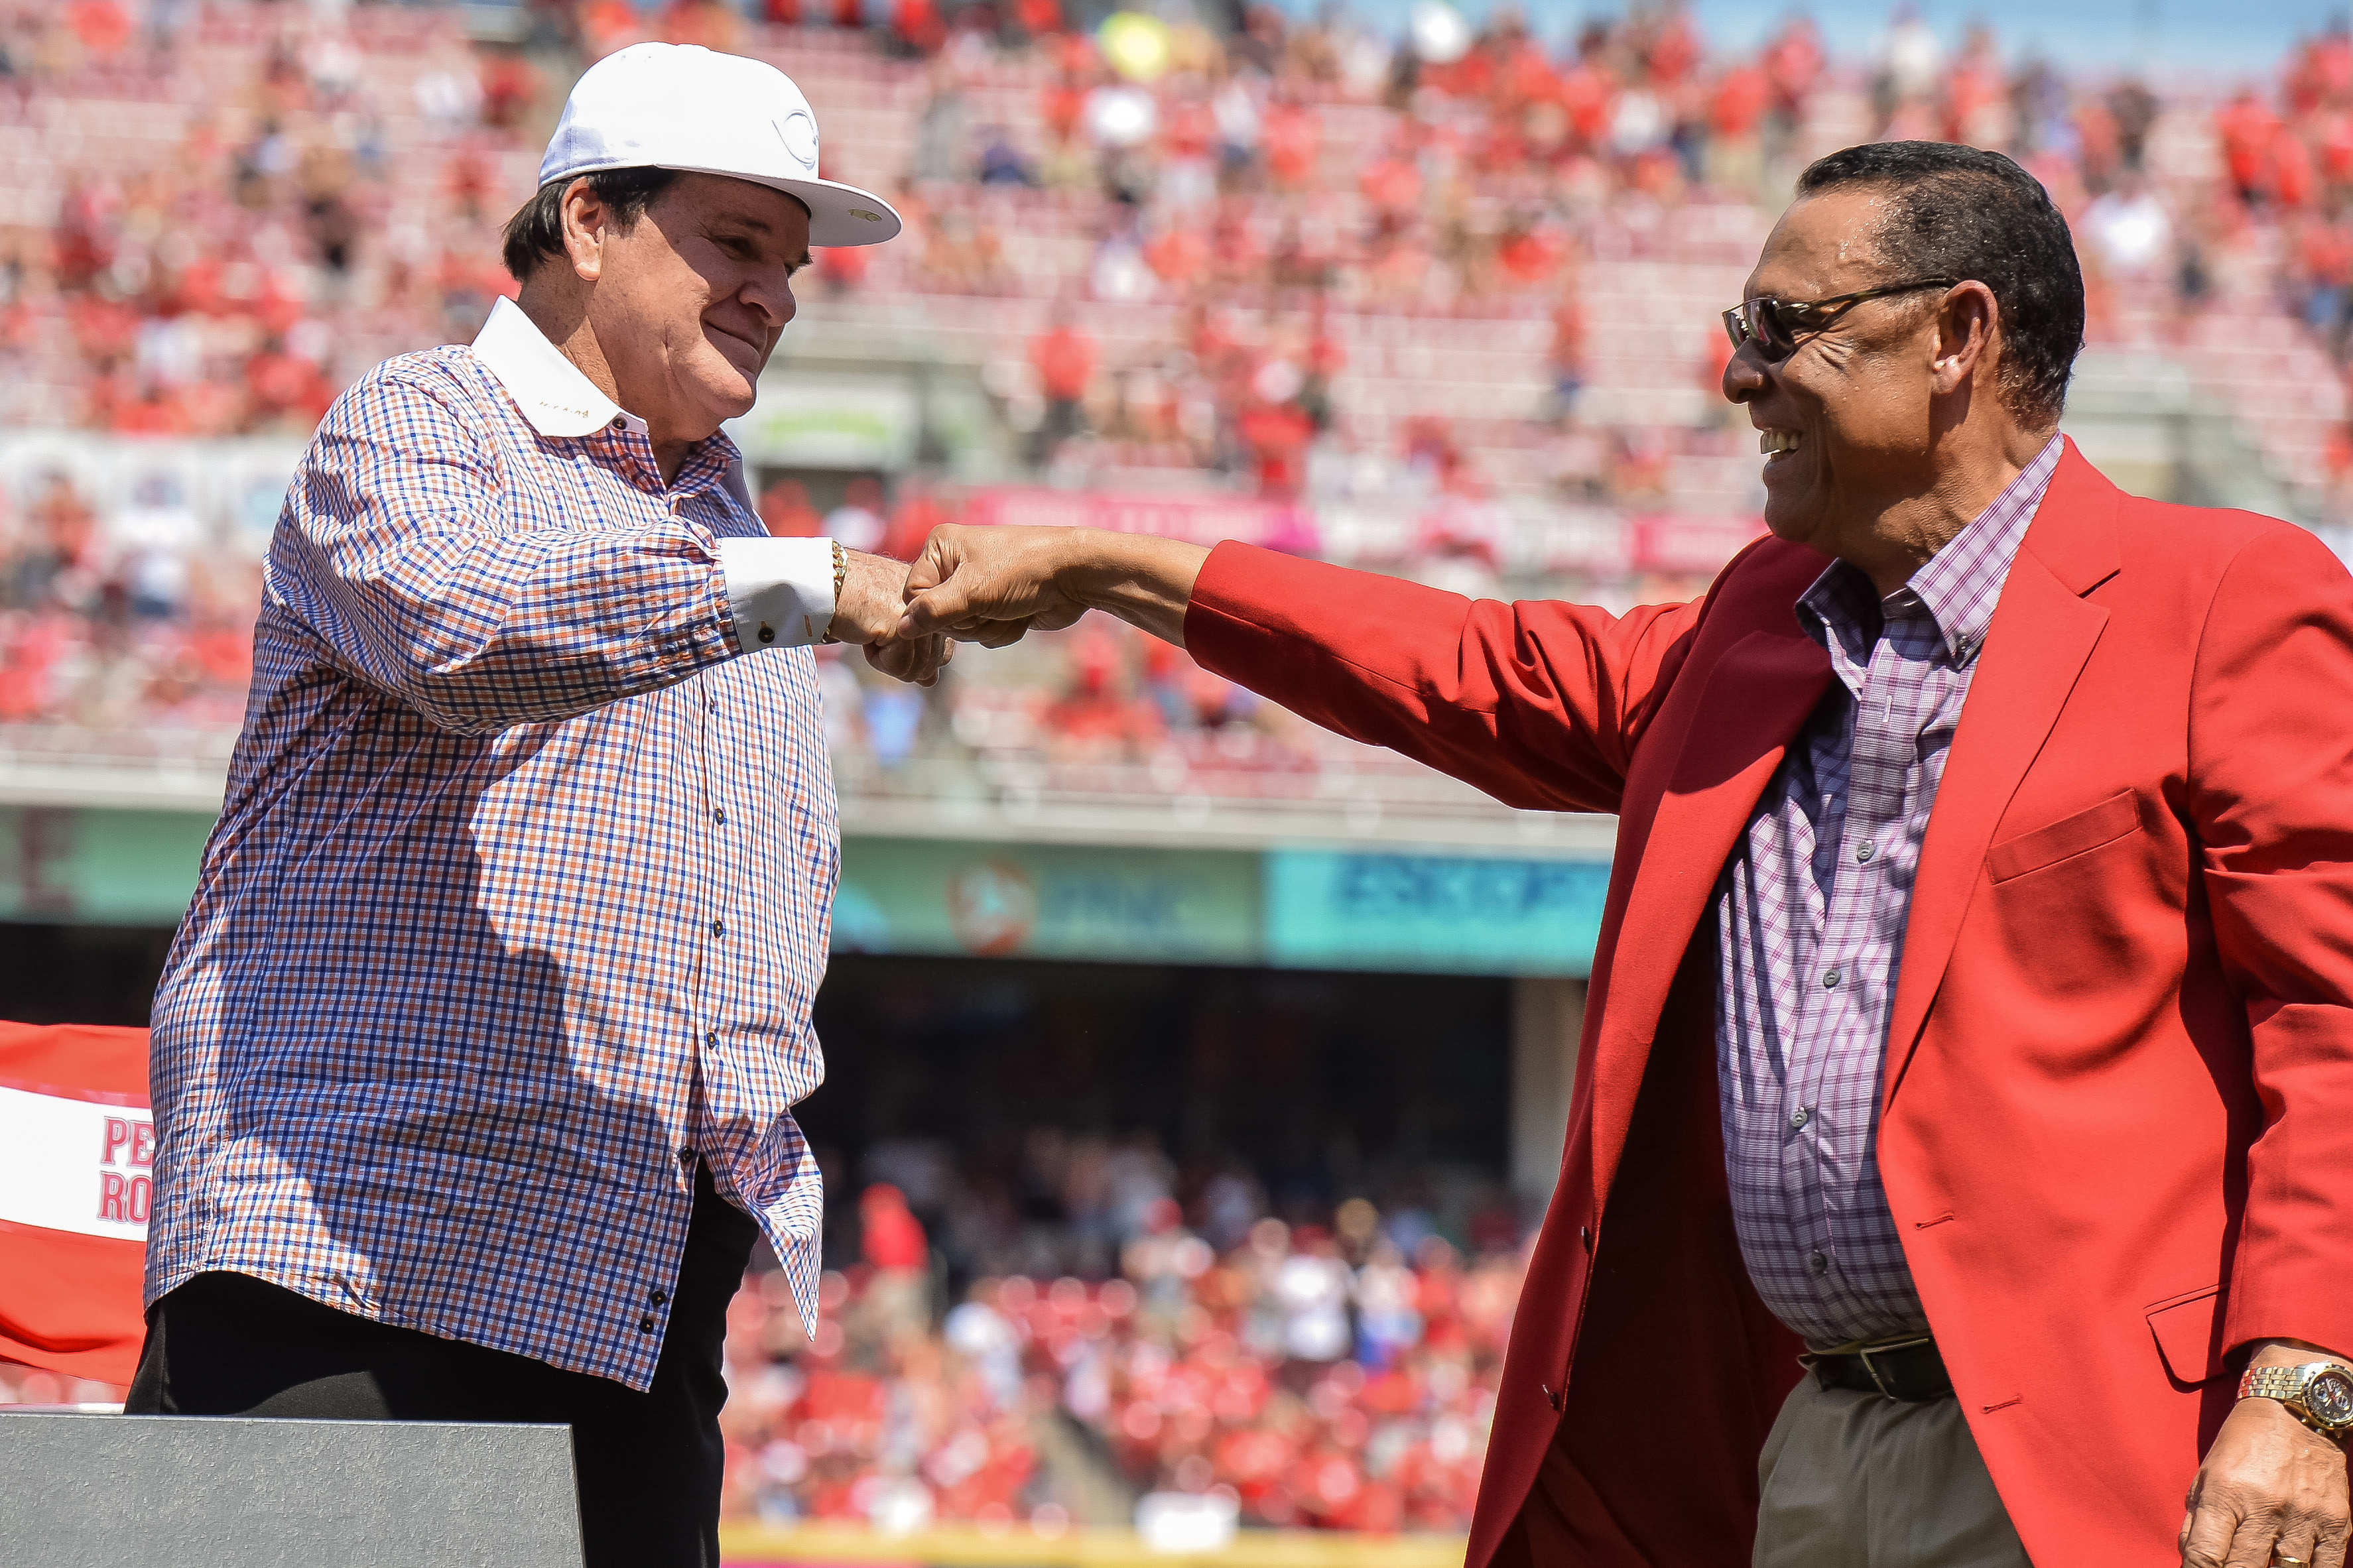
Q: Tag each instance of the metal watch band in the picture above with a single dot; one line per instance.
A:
(2280, 1383)
(2292, 1385)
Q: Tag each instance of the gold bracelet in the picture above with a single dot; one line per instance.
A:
(840, 581)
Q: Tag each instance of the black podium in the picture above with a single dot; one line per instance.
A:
(163, 1491)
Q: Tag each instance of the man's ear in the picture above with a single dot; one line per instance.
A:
(1967, 319)
(585, 216)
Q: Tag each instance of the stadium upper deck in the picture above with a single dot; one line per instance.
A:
(1445, 308)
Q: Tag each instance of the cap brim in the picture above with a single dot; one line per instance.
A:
(838, 214)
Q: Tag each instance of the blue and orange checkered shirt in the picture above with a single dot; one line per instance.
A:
(519, 896)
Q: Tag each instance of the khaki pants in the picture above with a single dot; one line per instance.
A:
(1858, 1480)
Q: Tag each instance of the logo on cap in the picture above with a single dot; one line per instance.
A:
(798, 134)
(861, 212)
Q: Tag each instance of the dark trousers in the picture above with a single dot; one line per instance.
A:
(648, 1465)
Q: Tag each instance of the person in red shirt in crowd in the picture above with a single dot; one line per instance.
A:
(785, 512)
(891, 1236)
(285, 388)
(1291, 136)
(1038, 19)
(2248, 131)
(1276, 430)
(510, 87)
(1065, 358)
(1793, 61)
(917, 26)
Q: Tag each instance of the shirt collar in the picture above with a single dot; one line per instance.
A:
(1957, 587)
(551, 391)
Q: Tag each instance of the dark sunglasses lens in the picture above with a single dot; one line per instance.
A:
(1774, 339)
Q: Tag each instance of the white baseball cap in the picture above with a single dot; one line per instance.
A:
(680, 106)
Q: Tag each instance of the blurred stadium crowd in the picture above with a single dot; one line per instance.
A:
(1441, 303)
(1337, 1375)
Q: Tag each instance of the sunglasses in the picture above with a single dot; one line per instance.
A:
(1777, 326)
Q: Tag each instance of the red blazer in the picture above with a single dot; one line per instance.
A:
(2119, 1132)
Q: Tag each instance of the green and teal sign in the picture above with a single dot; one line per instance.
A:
(1298, 908)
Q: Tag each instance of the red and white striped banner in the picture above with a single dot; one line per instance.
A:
(77, 1180)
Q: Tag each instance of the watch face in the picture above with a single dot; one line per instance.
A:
(2329, 1396)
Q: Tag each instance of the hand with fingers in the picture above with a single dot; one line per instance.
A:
(991, 585)
(868, 611)
(2273, 1489)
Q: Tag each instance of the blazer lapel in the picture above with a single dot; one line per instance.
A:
(1755, 698)
(2042, 635)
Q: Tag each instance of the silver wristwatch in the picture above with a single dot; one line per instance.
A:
(2320, 1394)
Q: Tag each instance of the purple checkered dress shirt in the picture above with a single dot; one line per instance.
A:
(1809, 926)
(519, 896)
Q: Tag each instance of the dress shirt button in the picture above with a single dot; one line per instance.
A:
(1820, 1263)
(719, 928)
(1830, 980)
(1864, 851)
(686, 1156)
(645, 1325)
(1800, 1116)
(657, 1295)
(618, 422)
(720, 816)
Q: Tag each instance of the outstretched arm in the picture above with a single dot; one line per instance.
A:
(1540, 704)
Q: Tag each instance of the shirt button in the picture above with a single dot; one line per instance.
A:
(1864, 851)
(719, 928)
(1820, 1263)
(657, 1297)
(645, 1325)
(1829, 981)
(1800, 1116)
(618, 422)
(686, 1156)
(720, 816)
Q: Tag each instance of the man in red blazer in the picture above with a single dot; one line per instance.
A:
(2001, 1055)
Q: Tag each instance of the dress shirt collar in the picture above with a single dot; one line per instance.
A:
(1957, 588)
(551, 391)
(561, 402)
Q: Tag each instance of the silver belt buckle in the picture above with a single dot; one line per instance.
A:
(1866, 1352)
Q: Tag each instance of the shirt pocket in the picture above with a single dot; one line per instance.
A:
(2189, 1332)
(2089, 829)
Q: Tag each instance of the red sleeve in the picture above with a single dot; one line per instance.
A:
(1539, 703)
(2270, 795)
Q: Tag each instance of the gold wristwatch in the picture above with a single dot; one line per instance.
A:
(2319, 1392)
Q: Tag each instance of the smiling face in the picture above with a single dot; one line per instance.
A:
(1845, 422)
(691, 300)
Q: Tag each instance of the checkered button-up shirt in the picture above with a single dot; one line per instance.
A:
(519, 896)
(1809, 924)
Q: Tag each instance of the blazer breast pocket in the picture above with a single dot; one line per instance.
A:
(2089, 829)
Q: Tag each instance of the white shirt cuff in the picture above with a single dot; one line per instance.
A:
(780, 590)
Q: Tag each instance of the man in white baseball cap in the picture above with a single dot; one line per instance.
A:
(474, 1057)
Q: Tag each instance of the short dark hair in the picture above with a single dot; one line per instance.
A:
(535, 233)
(1962, 212)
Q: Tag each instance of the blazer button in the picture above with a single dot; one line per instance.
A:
(1584, 1235)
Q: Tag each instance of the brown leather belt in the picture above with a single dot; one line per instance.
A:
(1910, 1369)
